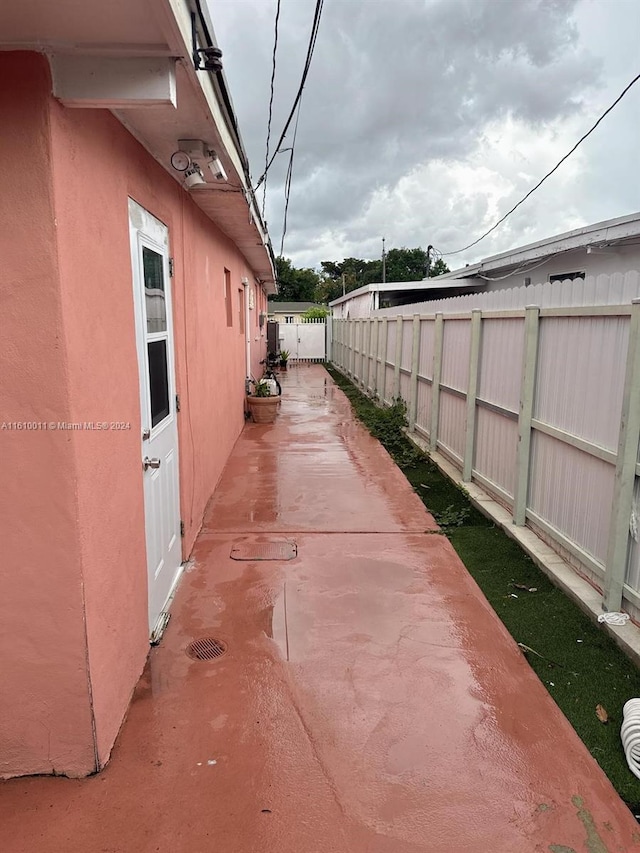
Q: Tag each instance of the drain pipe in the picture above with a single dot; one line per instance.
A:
(247, 334)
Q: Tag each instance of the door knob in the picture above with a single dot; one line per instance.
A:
(150, 463)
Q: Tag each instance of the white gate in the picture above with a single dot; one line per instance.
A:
(304, 341)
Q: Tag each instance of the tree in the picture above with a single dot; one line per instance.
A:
(406, 264)
(317, 312)
(401, 265)
(295, 285)
(306, 285)
(439, 268)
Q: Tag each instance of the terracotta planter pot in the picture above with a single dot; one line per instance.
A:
(283, 365)
(263, 409)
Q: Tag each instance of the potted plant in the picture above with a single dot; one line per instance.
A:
(284, 358)
(262, 405)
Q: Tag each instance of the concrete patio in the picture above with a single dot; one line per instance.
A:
(369, 699)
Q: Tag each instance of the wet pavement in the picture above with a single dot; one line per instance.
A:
(369, 699)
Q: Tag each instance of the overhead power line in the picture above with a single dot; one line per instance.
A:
(273, 78)
(287, 185)
(557, 166)
(312, 43)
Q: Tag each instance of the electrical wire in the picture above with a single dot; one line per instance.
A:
(557, 166)
(273, 78)
(312, 43)
(524, 267)
(287, 187)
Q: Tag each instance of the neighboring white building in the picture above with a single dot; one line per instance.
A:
(604, 248)
(290, 312)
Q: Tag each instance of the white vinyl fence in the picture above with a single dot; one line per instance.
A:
(304, 341)
(538, 405)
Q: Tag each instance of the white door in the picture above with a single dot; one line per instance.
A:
(159, 440)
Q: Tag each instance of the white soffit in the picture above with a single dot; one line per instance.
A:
(110, 83)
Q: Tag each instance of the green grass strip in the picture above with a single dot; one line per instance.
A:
(579, 664)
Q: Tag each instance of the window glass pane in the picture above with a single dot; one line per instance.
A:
(158, 381)
(154, 291)
(227, 297)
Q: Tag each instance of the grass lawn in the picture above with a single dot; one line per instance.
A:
(578, 663)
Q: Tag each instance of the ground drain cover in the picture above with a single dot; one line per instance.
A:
(206, 648)
(281, 550)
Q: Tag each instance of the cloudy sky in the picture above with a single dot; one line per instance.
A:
(424, 120)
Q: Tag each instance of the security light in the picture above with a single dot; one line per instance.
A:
(217, 169)
(193, 177)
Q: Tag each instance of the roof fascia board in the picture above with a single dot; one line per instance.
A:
(359, 291)
(177, 19)
(611, 229)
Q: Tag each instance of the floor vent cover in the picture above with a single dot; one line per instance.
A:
(285, 549)
(206, 648)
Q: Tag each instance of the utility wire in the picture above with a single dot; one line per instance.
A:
(523, 267)
(273, 77)
(312, 43)
(287, 188)
(557, 166)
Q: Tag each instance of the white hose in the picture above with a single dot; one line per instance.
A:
(614, 618)
(630, 735)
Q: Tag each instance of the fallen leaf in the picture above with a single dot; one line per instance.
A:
(526, 588)
(601, 714)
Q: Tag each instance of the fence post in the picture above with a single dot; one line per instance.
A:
(328, 339)
(366, 343)
(438, 340)
(383, 355)
(398, 361)
(354, 350)
(618, 544)
(375, 331)
(527, 392)
(472, 393)
(415, 360)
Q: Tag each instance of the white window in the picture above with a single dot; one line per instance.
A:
(564, 276)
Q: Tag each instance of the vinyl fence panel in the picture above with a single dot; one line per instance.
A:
(536, 404)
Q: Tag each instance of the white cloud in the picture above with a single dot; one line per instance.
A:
(424, 121)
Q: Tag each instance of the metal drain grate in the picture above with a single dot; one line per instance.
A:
(280, 550)
(206, 648)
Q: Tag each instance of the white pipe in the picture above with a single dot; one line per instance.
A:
(630, 735)
(247, 327)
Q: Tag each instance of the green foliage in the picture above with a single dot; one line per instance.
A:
(451, 517)
(317, 312)
(284, 355)
(401, 265)
(295, 285)
(580, 665)
(438, 268)
(261, 389)
(306, 285)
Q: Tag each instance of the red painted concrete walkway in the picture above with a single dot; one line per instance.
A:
(370, 701)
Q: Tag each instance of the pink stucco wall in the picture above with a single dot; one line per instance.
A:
(89, 166)
(42, 638)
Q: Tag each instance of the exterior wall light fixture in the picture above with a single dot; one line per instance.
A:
(193, 177)
(217, 169)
